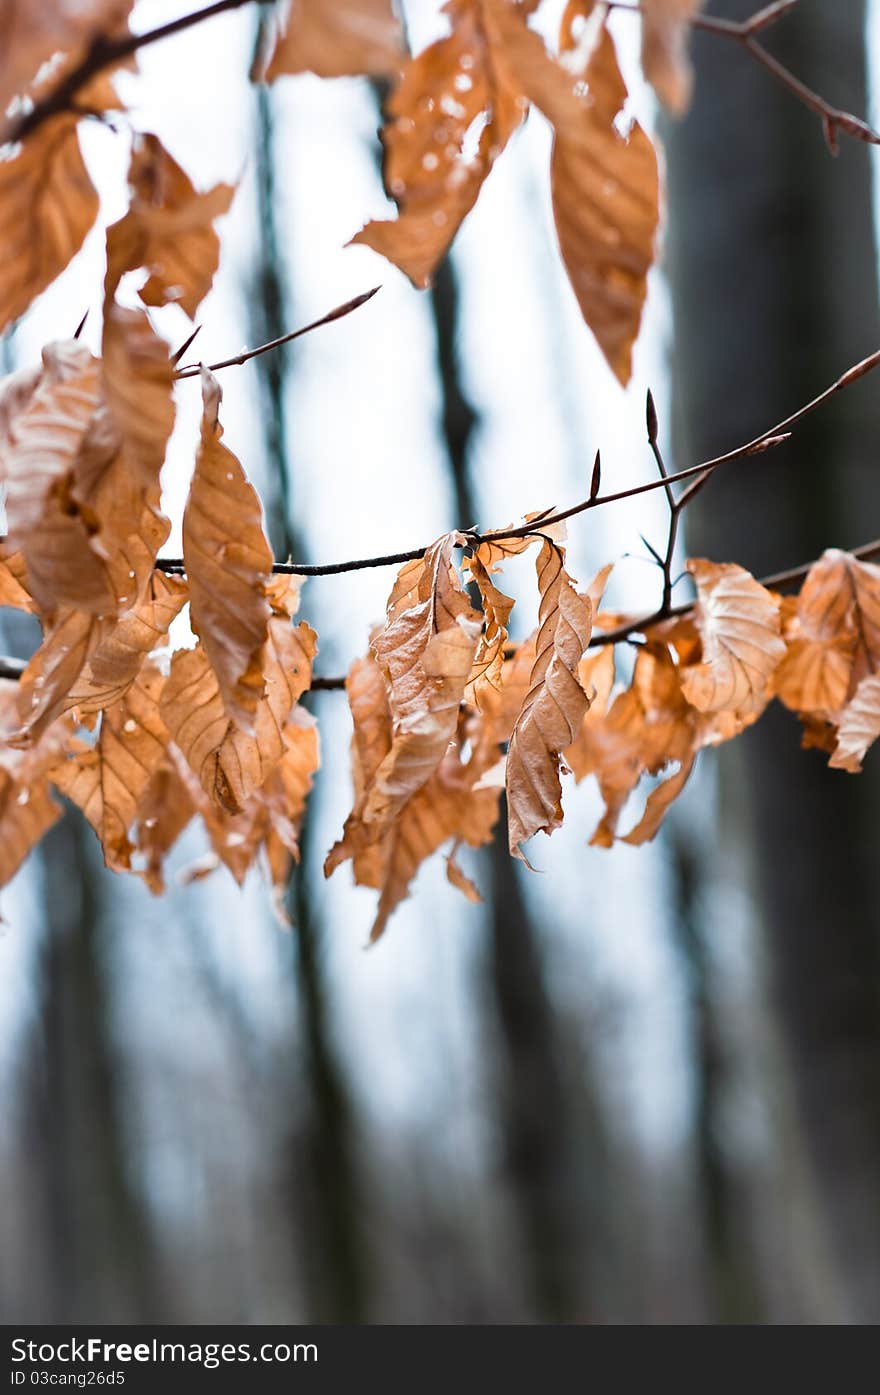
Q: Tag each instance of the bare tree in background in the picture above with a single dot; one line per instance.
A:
(773, 264)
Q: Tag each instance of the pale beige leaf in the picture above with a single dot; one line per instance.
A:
(739, 622)
(605, 185)
(16, 391)
(342, 39)
(426, 651)
(109, 781)
(228, 564)
(47, 206)
(554, 705)
(859, 726)
(169, 229)
(665, 61)
(448, 120)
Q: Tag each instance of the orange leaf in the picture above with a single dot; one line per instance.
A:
(168, 229)
(822, 637)
(346, 38)
(449, 119)
(47, 206)
(605, 185)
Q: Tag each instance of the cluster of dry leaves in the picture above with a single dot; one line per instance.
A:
(452, 110)
(144, 734)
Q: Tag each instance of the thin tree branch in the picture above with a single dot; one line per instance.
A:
(102, 54)
(192, 370)
(744, 32)
(321, 683)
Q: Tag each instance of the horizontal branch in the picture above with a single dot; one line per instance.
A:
(13, 668)
(699, 474)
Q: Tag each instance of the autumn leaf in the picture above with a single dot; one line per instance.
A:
(109, 780)
(426, 651)
(228, 563)
(39, 462)
(739, 622)
(346, 38)
(447, 808)
(169, 229)
(46, 684)
(554, 705)
(137, 379)
(121, 645)
(821, 635)
(32, 34)
(605, 185)
(859, 726)
(229, 763)
(27, 809)
(47, 206)
(450, 117)
(13, 581)
(165, 810)
(665, 61)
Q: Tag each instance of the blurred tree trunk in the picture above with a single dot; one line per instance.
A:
(550, 1176)
(100, 1255)
(773, 268)
(322, 1175)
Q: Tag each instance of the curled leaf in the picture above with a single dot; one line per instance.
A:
(228, 563)
(554, 705)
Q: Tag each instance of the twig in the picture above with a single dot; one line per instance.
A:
(697, 473)
(744, 32)
(321, 683)
(192, 370)
(102, 54)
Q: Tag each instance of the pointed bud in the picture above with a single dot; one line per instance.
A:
(651, 418)
(596, 479)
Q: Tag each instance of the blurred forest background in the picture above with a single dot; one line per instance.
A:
(643, 1087)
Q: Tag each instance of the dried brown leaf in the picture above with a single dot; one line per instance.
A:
(169, 229)
(554, 705)
(448, 120)
(229, 763)
(426, 651)
(47, 206)
(344, 39)
(109, 780)
(228, 563)
(665, 61)
(605, 185)
(739, 622)
(859, 726)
